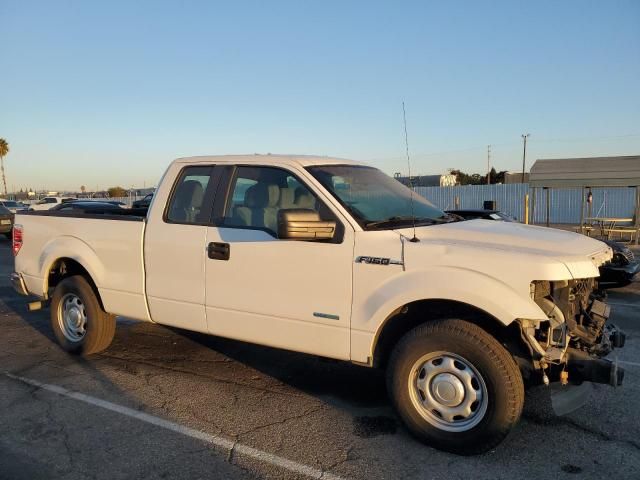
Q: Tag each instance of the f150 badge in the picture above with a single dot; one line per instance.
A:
(377, 260)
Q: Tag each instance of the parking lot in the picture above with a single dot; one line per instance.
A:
(166, 403)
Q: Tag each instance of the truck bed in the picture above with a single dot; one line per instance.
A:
(108, 245)
(132, 214)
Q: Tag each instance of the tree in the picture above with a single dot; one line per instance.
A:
(4, 149)
(477, 179)
(496, 177)
(116, 192)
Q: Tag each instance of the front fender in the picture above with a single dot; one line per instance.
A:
(502, 301)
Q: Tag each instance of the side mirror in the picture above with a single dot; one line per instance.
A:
(298, 224)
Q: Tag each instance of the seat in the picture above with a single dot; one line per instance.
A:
(260, 207)
(187, 202)
(287, 198)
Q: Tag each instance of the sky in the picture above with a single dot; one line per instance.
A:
(108, 93)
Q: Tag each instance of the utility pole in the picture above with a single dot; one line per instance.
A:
(524, 153)
(488, 164)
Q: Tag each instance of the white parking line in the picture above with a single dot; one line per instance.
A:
(228, 445)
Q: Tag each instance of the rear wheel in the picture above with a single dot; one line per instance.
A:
(455, 386)
(79, 323)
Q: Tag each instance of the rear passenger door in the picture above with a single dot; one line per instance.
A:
(174, 249)
(284, 293)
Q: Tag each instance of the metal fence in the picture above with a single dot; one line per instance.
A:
(565, 204)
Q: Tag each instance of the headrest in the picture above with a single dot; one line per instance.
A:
(262, 195)
(304, 199)
(190, 194)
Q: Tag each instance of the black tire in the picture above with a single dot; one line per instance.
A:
(498, 370)
(100, 326)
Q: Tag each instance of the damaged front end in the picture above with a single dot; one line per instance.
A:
(570, 346)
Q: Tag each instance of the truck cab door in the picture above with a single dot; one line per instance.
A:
(174, 248)
(288, 294)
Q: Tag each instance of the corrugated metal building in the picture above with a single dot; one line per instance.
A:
(566, 182)
(586, 174)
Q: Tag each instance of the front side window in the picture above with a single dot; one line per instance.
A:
(376, 200)
(187, 201)
(257, 194)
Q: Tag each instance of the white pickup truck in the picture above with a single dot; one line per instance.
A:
(334, 258)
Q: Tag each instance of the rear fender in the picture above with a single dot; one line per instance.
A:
(75, 249)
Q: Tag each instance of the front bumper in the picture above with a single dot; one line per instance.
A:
(582, 367)
(585, 366)
(18, 284)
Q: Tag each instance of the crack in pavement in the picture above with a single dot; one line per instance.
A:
(347, 458)
(208, 377)
(583, 428)
(306, 413)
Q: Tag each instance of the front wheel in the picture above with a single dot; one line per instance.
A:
(79, 323)
(455, 387)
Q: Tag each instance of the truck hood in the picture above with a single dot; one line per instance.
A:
(578, 252)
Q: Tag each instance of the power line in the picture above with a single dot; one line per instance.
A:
(538, 141)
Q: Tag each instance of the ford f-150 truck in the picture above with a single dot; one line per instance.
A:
(334, 258)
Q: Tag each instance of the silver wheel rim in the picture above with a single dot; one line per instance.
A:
(72, 317)
(448, 391)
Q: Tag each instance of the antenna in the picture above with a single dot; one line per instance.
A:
(406, 144)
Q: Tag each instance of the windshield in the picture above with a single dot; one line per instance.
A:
(375, 199)
(10, 204)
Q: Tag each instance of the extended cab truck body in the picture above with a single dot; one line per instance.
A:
(333, 258)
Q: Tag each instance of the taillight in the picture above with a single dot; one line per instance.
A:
(17, 239)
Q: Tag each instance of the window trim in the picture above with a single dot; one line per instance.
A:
(220, 204)
(207, 200)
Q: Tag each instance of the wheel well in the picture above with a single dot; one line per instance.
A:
(68, 267)
(415, 313)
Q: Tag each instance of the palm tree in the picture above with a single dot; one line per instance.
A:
(4, 149)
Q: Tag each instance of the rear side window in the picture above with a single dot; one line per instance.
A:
(187, 203)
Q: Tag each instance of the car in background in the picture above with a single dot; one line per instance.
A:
(14, 206)
(618, 272)
(622, 268)
(474, 213)
(48, 202)
(87, 206)
(6, 221)
(143, 202)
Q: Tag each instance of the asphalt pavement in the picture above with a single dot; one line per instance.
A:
(167, 403)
